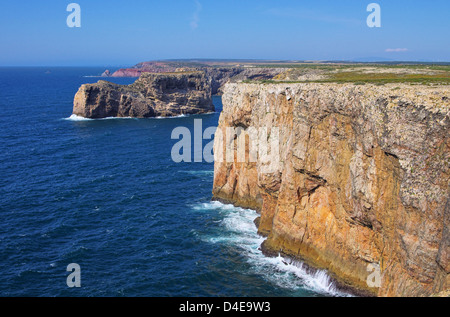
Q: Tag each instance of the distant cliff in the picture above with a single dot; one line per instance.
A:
(145, 67)
(219, 75)
(152, 95)
(223, 75)
(363, 179)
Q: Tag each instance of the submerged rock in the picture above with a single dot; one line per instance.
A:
(152, 95)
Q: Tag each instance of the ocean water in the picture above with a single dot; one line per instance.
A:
(105, 194)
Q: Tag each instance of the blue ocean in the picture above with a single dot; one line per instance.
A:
(105, 194)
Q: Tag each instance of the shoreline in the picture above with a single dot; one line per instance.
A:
(310, 268)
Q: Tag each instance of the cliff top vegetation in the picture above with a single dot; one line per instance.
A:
(421, 74)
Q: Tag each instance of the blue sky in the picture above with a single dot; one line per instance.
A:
(116, 33)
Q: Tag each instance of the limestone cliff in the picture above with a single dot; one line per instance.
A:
(145, 67)
(363, 179)
(222, 75)
(219, 75)
(152, 95)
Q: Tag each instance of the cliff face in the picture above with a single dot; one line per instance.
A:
(222, 75)
(219, 75)
(363, 178)
(145, 67)
(152, 95)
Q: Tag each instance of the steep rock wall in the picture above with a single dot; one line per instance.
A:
(152, 95)
(363, 179)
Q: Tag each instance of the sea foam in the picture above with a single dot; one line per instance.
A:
(75, 117)
(241, 233)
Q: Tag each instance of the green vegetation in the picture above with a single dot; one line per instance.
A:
(334, 66)
(389, 77)
(360, 74)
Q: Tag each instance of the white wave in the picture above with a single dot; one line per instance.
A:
(241, 233)
(184, 115)
(171, 117)
(318, 281)
(214, 205)
(75, 117)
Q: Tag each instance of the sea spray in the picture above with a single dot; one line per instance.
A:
(75, 117)
(240, 233)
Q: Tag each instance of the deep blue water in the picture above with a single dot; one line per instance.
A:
(106, 194)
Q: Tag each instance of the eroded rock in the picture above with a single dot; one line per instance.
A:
(152, 95)
(363, 178)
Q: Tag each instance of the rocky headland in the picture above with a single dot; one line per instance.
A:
(152, 95)
(361, 184)
(223, 75)
(362, 180)
(220, 75)
(145, 67)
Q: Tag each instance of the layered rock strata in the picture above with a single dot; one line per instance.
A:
(219, 75)
(152, 95)
(362, 179)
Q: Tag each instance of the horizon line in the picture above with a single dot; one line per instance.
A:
(306, 61)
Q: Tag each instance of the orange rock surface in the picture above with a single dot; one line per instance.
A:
(363, 178)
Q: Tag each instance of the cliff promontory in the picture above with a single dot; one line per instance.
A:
(361, 180)
(152, 95)
(219, 74)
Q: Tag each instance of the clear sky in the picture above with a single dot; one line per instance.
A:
(116, 33)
